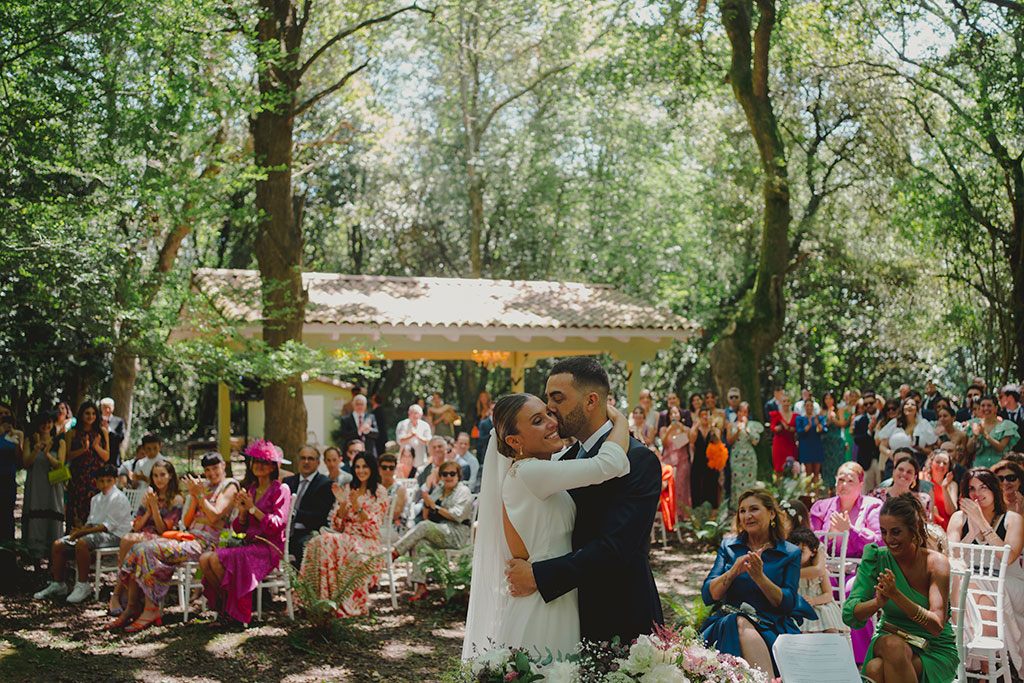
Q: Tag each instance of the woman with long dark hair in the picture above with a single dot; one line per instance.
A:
(87, 450)
(42, 514)
(231, 574)
(358, 524)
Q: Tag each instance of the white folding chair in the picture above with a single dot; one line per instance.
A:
(390, 536)
(959, 580)
(985, 608)
(279, 578)
(835, 543)
(101, 567)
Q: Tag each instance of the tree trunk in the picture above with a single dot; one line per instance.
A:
(122, 389)
(1015, 254)
(758, 321)
(279, 239)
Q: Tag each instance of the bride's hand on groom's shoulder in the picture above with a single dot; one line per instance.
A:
(520, 578)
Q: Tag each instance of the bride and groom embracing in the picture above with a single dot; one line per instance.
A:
(562, 537)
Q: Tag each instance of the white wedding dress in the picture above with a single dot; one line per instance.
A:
(535, 496)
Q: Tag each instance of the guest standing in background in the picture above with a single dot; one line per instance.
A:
(42, 515)
(783, 426)
(360, 424)
(414, 431)
(675, 442)
(115, 430)
(86, 452)
(809, 429)
(703, 479)
(836, 421)
(743, 436)
(441, 416)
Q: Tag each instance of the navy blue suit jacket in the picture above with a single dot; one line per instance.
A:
(609, 563)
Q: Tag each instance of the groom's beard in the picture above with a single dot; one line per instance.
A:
(570, 425)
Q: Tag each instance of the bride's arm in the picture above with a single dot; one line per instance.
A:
(546, 477)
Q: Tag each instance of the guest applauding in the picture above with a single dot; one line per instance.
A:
(332, 460)
(387, 464)
(815, 587)
(675, 443)
(984, 520)
(86, 448)
(1011, 479)
(783, 426)
(159, 512)
(944, 488)
(358, 522)
(703, 479)
(850, 510)
(909, 585)
(446, 511)
(809, 429)
(231, 574)
(905, 479)
(149, 566)
(990, 436)
(313, 499)
(759, 568)
(744, 434)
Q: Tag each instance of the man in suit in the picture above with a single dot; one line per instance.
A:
(864, 428)
(609, 564)
(313, 500)
(1010, 407)
(929, 401)
(377, 408)
(360, 424)
(775, 403)
(115, 429)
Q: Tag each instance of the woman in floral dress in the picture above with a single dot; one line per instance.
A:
(86, 450)
(149, 566)
(358, 522)
(744, 435)
(675, 451)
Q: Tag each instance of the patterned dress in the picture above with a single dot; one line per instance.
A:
(744, 458)
(246, 565)
(82, 485)
(676, 452)
(152, 563)
(356, 538)
(171, 516)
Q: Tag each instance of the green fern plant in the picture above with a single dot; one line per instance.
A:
(453, 581)
(322, 612)
(708, 528)
(682, 614)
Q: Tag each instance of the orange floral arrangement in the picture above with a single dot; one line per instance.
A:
(718, 455)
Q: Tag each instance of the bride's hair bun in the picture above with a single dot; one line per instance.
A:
(506, 412)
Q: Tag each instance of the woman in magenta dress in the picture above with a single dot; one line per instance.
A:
(230, 575)
(783, 424)
(675, 451)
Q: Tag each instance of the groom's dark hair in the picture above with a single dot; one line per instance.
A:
(587, 374)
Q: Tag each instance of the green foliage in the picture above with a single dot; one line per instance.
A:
(453, 580)
(708, 528)
(322, 613)
(683, 614)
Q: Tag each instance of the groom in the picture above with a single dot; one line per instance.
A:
(608, 565)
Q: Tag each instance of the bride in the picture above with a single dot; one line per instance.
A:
(527, 513)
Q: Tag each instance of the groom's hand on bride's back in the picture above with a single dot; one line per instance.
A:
(520, 578)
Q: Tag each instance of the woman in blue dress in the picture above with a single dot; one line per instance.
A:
(809, 431)
(754, 584)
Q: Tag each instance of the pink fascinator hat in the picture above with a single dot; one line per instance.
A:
(261, 449)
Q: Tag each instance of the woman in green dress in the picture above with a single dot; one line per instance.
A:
(743, 435)
(909, 585)
(990, 436)
(832, 439)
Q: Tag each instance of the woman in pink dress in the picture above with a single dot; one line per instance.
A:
(230, 575)
(358, 520)
(675, 451)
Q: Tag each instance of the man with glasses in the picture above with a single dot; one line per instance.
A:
(973, 394)
(313, 499)
(352, 449)
(732, 398)
(864, 428)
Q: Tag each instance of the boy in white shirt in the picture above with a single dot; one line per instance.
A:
(110, 518)
(135, 473)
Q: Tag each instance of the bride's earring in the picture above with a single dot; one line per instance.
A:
(520, 451)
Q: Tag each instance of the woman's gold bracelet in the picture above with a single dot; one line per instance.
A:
(920, 616)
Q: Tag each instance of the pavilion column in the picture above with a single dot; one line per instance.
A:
(224, 421)
(632, 368)
(518, 365)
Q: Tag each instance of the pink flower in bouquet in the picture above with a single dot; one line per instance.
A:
(511, 676)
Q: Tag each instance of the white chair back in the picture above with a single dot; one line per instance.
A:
(988, 565)
(960, 579)
(835, 543)
(134, 497)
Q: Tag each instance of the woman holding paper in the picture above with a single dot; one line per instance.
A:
(907, 585)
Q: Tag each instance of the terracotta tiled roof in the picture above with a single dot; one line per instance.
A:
(428, 302)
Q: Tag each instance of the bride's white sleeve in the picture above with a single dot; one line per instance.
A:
(546, 477)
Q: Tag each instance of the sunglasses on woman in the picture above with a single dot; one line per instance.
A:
(449, 474)
(1012, 478)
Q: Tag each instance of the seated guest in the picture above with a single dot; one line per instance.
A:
(42, 512)
(944, 489)
(360, 425)
(149, 566)
(815, 586)
(231, 574)
(159, 512)
(428, 477)
(468, 461)
(756, 567)
(907, 585)
(109, 519)
(406, 469)
(905, 479)
(850, 510)
(313, 500)
(358, 523)
(353, 447)
(984, 520)
(447, 509)
(134, 474)
(332, 460)
(1011, 478)
(387, 464)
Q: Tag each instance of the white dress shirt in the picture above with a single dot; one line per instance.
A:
(111, 510)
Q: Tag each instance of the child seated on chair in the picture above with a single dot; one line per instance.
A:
(815, 586)
(110, 518)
